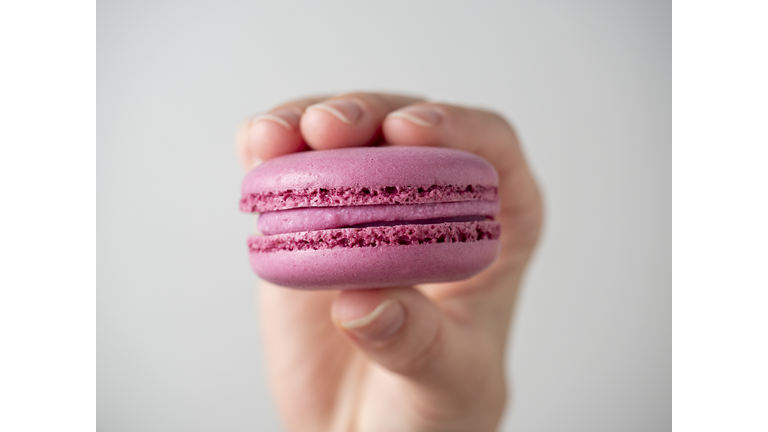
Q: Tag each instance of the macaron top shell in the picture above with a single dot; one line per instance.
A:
(368, 176)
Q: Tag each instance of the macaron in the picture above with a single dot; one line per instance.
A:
(372, 217)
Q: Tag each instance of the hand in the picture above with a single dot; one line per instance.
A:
(426, 358)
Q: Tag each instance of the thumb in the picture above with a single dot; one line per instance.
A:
(403, 331)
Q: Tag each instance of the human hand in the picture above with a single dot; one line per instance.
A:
(425, 358)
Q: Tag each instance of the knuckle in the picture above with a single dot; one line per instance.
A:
(299, 104)
(362, 96)
(380, 102)
(498, 117)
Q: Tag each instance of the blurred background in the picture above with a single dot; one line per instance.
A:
(587, 85)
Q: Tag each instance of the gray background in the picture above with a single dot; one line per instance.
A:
(588, 86)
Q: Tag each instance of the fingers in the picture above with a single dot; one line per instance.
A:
(349, 120)
(319, 123)
(403, 331)
(272, 134)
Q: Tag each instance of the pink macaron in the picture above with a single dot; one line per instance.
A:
(372, 217)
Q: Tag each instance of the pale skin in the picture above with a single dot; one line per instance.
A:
(417, 359)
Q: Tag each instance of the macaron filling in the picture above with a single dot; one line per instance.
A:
(321, 218)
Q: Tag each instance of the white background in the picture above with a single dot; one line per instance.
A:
(588, 86)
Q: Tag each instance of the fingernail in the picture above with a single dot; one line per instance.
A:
(380, 324)
(346, 111)
(285, 118)
(420, 115)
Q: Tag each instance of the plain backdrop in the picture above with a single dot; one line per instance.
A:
(587, 84)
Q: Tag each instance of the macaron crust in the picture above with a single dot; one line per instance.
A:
(372, 217)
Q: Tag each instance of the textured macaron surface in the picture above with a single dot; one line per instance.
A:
(377, 236)
(368, 176)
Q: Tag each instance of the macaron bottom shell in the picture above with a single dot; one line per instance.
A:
(375, 267)
(378, 256)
